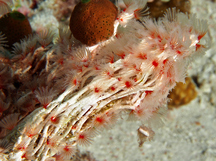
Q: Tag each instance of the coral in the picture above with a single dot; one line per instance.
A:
(63, 93)
(182, 5)
(91, 26)
(157, 8)
(182, 94)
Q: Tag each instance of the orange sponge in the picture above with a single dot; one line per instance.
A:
(15, 26)
(93, 21)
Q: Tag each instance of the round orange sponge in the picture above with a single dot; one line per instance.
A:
(93, 21)
(15, 26)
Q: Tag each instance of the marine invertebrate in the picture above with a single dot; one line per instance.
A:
(4, 7)
(158, 7)
(10, 121)
(133, 71)
(182, 94)
(15, 26)
(93, 21)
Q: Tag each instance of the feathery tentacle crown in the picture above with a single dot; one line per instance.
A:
(133, 71)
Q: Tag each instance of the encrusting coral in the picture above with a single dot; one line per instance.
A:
(182, 94)
(157, 8)
(75, 90)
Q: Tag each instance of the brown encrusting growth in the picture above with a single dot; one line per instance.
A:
(182, 94)
(15, 26)
(157, 8)
(93, 21)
